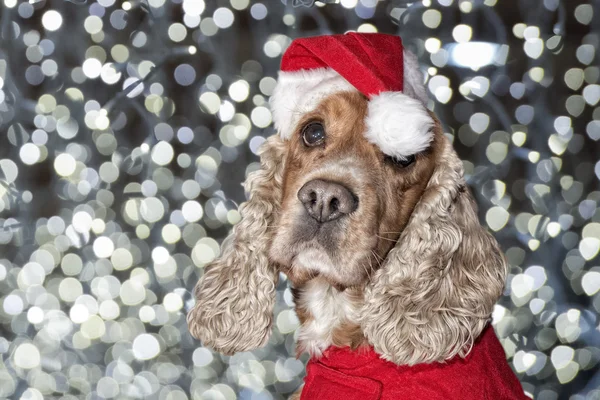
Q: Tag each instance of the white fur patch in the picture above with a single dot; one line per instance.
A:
(398, 124)
(329, 308)
(313, 259)
(299, 92)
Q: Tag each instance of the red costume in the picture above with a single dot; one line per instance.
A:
(343, 374)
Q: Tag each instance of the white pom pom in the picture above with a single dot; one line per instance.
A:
(398, 124)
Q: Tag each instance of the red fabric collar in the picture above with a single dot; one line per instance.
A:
(343, 374)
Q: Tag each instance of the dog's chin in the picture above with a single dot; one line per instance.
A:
(310, 263)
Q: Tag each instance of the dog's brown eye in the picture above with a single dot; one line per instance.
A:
(313, 134)
(401, 162)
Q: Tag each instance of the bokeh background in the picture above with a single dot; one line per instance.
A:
(126, 129)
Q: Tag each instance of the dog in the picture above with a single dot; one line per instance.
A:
(361, 201)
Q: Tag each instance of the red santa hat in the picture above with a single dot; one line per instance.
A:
(371, 63)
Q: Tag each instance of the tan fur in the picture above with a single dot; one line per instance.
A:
(416, 273)
(348, 334)
(236, 294)
(296, 395)
(438, 286)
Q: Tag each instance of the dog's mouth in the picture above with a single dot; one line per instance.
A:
(337, 251)
(298, 268)
(300, 275)
(310, 260)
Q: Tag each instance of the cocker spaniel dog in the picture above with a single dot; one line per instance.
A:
(362, 203)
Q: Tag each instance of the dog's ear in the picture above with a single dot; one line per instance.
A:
(437, 287)
(236, 294)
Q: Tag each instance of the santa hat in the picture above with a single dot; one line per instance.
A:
(375, 65)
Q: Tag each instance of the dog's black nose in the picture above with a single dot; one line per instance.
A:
(327, 201)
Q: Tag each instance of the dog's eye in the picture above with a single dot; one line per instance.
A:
(313, 134)
(401, 162)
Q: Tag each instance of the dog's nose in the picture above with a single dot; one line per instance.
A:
(327, 201)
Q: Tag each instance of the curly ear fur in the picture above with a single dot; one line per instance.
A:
(438, 286)
(236, 295)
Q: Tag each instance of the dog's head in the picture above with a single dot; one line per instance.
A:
(361, 192)
(344, 201)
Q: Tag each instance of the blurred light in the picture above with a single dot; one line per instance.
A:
(145, 347)
(474, 55)
(52, 20)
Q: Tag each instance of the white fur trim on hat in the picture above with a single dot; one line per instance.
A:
(398, 124)
(299, 92)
